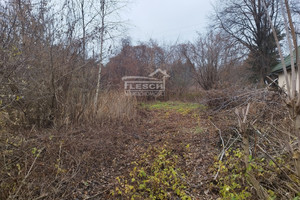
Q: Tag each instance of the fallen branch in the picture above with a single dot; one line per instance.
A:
(225, 147)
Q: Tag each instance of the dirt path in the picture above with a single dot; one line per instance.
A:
(180, 125)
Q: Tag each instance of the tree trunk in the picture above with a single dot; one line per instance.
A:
(83, 29)
(101, 54)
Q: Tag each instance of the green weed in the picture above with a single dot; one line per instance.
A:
(179, 107)
(154, 176)
(232, 176)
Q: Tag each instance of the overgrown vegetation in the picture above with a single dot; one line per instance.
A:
(257, 156)
(233, 177)
(112, 107)
(61, 155)
(154, 176)
(67, 130)
(232, 182)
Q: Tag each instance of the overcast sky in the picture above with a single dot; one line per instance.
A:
(167, 20)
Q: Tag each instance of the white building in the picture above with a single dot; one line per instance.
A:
(277, 71)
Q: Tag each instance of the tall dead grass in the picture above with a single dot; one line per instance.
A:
(77, 109)
(114, 106)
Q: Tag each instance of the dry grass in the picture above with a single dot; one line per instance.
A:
(114, 106)
(80, 159)
(65, 161)
(82, 162)
(65, 164)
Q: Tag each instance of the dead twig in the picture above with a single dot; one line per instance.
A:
(224, 147)
(27, 174)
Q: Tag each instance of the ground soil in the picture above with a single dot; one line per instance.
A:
(83, 162)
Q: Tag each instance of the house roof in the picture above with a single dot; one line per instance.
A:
(287, 60)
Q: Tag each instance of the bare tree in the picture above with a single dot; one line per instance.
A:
(107, 31)
(40, 90)
(87, 16)
(82, 9)
(247, 23)
(102, 31)
(210, 53)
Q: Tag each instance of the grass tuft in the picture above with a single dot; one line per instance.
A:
(179, 107)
